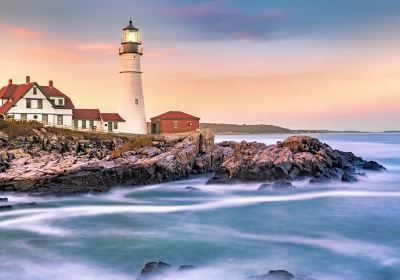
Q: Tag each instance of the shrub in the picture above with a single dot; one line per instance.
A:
(15, 129)
(134, 144)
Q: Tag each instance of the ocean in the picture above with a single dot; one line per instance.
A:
(326, 231)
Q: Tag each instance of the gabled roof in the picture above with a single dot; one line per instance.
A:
(15, 92)
(86, 114)
(175, 115)
(111, 117)
(54, 92)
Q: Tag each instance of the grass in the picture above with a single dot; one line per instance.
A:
(133, 144)
(15, 129)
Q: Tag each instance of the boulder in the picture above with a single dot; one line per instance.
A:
(275, 275)
(154, 269)
(189, 188)
(6, 207)
(276, 186)
(349, 178)
(372, 165)
(282, 185)
(281, 275)
(186, 267)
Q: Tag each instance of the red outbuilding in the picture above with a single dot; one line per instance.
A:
(174, 122)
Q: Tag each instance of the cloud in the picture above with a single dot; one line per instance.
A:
(219, 20)
(18, 33)
(97, 47)
(154, 54)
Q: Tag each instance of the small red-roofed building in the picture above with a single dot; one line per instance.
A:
(174, 122)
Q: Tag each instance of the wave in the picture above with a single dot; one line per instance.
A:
(34, 219)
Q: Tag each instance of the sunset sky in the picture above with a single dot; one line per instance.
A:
(299, 64)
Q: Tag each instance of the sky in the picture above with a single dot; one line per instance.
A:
(300, 64)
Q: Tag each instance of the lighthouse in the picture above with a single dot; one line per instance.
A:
(131, 99)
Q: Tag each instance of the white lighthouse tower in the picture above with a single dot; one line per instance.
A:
(130, 100)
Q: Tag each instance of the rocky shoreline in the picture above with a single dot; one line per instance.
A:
(162, 270)
(47, 163)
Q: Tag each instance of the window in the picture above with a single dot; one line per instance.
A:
(40, 104)
(45, 119)
(83, 123)
(28, 103)
(75, 124)
(34, 90)
(175, 124)
(60, 120)
(190, 124)
(91, 123)
(115, 125)
(61, 102)
(137, 101)
(24, 117)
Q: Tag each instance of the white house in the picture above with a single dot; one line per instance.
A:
(48, 105)
(30, 101)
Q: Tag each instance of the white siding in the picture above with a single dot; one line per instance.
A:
(47, 108)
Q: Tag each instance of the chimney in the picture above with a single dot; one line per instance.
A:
(51, 83)
(28, 79)
(10, 81)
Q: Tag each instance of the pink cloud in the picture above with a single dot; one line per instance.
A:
(151, 54)
(98, 47)
(19, 33)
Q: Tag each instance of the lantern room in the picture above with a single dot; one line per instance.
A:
(130, 34)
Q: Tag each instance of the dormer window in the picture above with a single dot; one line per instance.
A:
(61, 102)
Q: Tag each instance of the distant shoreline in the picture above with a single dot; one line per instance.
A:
(237, 129)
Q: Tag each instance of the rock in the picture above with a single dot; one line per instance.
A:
(297, 157)
(153, 269)
(186, 267)
(276, 186)
(54, 164)
(282, 185)
(3, 199)
(372, 165)
(275, 275)
(264, 187)
(6, 207)
(189, 188)
(348, 178)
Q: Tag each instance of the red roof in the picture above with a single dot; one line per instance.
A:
(175, 115)
(54, 92)
(86, 114)
(111, 117)
(15, 92)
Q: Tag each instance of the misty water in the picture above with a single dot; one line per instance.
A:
(327, 231)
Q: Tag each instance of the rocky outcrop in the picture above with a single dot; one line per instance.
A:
(161, 270)
(295, 158)
(83, 166)
(54, 164)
